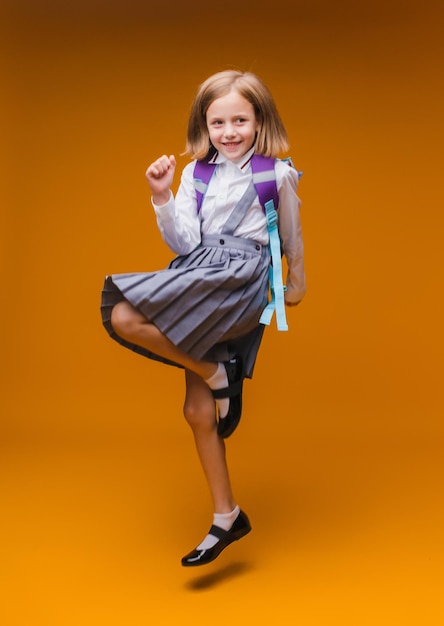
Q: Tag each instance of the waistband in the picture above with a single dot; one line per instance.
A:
(229, 241)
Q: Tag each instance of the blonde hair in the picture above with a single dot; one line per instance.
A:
(271, 137)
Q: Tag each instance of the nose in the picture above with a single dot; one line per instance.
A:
(230, 130)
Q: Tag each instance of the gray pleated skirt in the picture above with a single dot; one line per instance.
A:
(208, 303)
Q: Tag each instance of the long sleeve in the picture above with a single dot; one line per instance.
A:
(291, 232)
(177, 220)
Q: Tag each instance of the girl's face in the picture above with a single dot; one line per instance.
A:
(232, 125)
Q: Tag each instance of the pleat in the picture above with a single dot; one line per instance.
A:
(208, 303)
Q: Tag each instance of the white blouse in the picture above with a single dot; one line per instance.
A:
(182, 227)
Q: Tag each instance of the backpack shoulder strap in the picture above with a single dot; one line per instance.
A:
(264, 179)
(203, 171)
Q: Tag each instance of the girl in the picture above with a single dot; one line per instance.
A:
(202, 313)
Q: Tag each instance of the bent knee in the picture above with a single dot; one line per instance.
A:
(200, 416)
(124, 318)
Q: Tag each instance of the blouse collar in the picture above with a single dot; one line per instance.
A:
(240, 163)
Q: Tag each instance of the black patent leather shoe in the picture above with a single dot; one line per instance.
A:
(240, 528)
(235, 374)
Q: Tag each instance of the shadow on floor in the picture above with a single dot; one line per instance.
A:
(209, 581)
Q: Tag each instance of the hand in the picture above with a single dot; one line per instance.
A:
(160, 176)
(287, 303)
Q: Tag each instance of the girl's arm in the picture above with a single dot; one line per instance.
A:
(177, 218)
(290, 232)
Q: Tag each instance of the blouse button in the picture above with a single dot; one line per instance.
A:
(221, 241)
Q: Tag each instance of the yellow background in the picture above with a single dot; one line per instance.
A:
(339, 457)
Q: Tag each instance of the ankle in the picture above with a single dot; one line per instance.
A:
(226, 520)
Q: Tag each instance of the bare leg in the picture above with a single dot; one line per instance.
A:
(131, 325)
(200, 413)
(229, 522)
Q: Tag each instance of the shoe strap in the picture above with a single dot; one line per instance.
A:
(218, 532)
(228, 392)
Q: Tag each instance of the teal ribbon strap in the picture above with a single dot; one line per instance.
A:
(277, 288)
